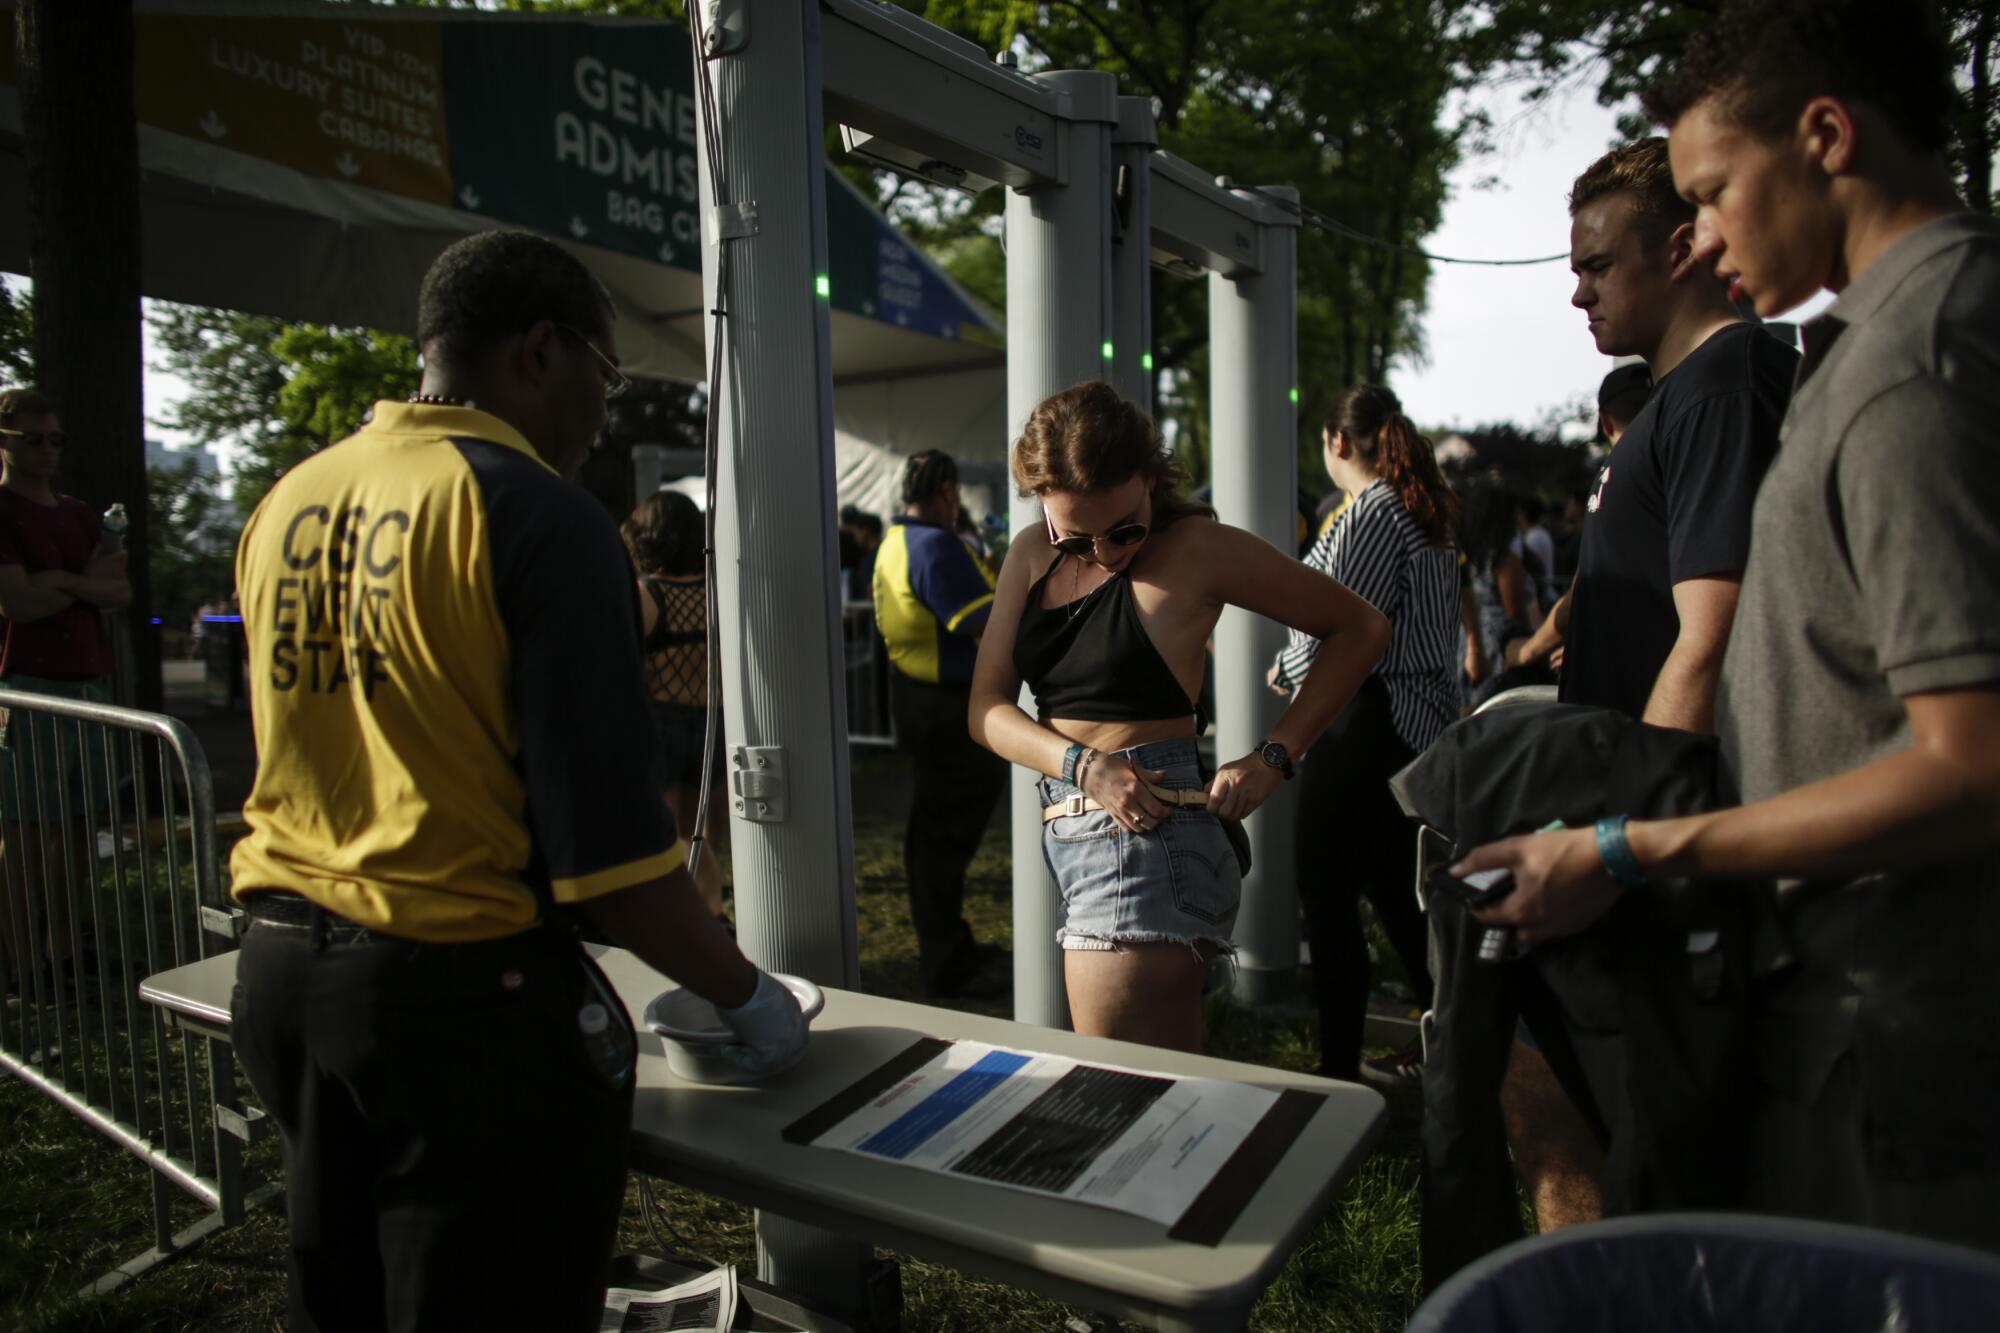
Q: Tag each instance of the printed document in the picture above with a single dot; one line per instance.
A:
(1143, 1143)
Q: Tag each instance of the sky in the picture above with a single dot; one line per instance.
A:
(1505, 344)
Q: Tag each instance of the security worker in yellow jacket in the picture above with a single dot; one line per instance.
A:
(932, 596)
(454, 755)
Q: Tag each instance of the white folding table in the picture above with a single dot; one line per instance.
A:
(729, 1141)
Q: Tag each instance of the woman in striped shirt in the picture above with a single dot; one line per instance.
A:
(1393, 546)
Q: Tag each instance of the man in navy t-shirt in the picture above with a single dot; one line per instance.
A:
(1667, 532)
(1666, 537)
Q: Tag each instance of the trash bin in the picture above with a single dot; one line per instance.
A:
(1719, 1273)
(222, 661)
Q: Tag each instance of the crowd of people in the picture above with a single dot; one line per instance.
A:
(1797, 556)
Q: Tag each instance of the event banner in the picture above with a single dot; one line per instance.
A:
(580, 128)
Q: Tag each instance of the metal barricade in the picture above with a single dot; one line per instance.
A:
(870, 720)
(110, 875)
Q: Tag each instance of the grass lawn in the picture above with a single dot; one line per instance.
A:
(72, 1207)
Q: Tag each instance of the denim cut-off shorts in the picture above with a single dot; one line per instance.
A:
(1175, 883)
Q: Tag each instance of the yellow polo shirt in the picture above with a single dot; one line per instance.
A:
(451, 716)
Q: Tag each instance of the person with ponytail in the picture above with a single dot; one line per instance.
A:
(1105, 609)
(1393, 545)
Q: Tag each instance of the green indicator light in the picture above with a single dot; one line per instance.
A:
(822, 286)
(1147, 361)
(1295, 393)
(1107, 351)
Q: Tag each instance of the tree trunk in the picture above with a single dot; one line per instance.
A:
(77, 111)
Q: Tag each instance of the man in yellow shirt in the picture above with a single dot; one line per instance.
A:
(932, 596)
(454, 757)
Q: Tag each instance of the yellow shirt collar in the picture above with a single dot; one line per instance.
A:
(394, 418)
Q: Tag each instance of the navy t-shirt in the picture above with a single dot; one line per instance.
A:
(1672, 503)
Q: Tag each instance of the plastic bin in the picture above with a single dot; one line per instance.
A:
(1719, 1273)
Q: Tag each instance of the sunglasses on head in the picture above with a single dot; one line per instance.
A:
(1125, 534)
(53, 438)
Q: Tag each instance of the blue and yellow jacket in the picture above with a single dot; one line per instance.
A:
(931, 601)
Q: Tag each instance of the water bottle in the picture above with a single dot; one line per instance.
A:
(115, 524)
(605, 1043)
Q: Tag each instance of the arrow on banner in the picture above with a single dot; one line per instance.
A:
(213, 125)
(576, 227)
(347, 166)
(469, 197)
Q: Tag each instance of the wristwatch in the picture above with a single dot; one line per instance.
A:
(1277, 756)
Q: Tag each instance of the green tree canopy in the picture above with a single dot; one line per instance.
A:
(275, 392)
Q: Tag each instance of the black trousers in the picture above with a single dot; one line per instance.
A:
(956, 784)
(1353, 840)
(453, 1159)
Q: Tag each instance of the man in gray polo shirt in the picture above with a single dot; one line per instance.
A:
(1860, 706)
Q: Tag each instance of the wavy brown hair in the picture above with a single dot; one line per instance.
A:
(1088, 439)
(1372, 419)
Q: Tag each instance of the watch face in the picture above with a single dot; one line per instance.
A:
(1276, 756)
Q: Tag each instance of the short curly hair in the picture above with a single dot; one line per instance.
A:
(488, 287)
(1641, 172)
(1763, 60)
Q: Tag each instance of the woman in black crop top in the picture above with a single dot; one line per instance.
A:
(664, 535)
(1105, 610)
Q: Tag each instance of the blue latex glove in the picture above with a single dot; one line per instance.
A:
(769, 1026)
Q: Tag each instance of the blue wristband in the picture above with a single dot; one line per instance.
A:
(1070, 756)
(1617, 851)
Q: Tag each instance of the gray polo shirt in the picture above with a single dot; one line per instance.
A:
(1874, 573)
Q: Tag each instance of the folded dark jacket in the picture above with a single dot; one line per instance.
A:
(1645, 1017)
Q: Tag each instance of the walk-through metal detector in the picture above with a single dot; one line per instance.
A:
(908, 93)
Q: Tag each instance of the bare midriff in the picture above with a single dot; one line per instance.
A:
(1108, 736)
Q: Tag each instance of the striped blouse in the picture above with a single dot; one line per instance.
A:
(1378, 552)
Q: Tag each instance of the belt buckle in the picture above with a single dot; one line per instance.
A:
(1073, 805)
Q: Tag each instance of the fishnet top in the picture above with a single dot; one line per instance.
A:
(677, 647)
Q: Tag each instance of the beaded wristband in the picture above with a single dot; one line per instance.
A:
(1083, 767)
(1070, 756)
(1617, 851)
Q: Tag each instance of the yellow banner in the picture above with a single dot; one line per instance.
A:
(355, 100)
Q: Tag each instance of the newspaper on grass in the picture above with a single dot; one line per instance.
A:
(706, 1304)
(1138, 1141)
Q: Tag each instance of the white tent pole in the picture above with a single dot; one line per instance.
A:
(1058, 258)
(1132, 144)
(791, 822)
(1253, 322)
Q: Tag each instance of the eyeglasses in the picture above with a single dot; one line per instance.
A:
(1125, 534)
(615, 380)
(53, 438)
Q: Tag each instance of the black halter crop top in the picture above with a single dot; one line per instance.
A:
(1091, 659)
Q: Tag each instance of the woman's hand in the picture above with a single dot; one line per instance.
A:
(1241, 787)
(1271, 679)
(1115, 784)
(1560, 884)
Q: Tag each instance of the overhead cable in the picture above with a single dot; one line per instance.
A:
(1312, 217)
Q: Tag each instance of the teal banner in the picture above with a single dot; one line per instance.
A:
(584, 130)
